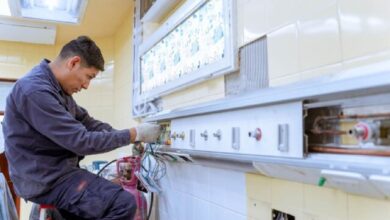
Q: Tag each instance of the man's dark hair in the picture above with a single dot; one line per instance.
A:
(89, 52)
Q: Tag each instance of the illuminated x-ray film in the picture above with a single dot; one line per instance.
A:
(197, 42)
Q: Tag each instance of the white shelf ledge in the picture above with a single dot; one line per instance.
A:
(158, 10)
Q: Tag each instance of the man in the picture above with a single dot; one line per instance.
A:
(46, 134)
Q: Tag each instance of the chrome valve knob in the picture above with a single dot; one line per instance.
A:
(173, 136)
(181, 135)
(204, 135)
(218, 134)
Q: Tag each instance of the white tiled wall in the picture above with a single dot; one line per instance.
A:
(319, 39)
(308, 38)
(309, 202)
(194, 192)
(246, 11)
(283, 57)
(365, 26)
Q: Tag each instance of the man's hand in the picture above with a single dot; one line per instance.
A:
(147, 132)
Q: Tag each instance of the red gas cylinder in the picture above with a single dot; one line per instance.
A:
(126, 168)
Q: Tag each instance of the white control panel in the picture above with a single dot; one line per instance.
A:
(275, 130)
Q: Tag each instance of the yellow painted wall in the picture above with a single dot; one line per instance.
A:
(17, 58)
(207, 91)
(122, 79)
(124, 74)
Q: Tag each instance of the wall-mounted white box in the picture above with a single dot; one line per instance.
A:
(235, 127)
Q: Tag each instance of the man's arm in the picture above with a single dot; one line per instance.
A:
(44, 113)
(89, 122)
(95, 125)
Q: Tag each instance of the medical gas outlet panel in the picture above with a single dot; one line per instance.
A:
(275, 130)
(359, 126)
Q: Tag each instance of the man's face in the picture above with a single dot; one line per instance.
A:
(78, 76)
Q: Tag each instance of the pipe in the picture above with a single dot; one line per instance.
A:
(338, 150)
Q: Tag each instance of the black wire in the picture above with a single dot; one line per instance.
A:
(104, 167)
(151, 206)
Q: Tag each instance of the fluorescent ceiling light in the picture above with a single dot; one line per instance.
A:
(4, 8)
(68, 11)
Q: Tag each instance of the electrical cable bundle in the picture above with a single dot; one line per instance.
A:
(153, 168)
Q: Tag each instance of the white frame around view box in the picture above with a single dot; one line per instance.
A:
(226, 64)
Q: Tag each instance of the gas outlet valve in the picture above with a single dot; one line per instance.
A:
(174, 135)
(256, 134)
(181, 135)
(218, 134)
(365, 131)
(204, 135)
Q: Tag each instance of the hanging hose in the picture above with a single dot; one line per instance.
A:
(104, 167)
(151, 206)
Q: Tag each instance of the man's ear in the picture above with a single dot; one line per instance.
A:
(73, 62)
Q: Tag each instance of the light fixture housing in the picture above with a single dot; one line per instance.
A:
(61, 11)
(4, 8)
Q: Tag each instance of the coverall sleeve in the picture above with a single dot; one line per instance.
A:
(89, 122)
(43, 112)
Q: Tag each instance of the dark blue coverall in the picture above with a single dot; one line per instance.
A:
(46, 134)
